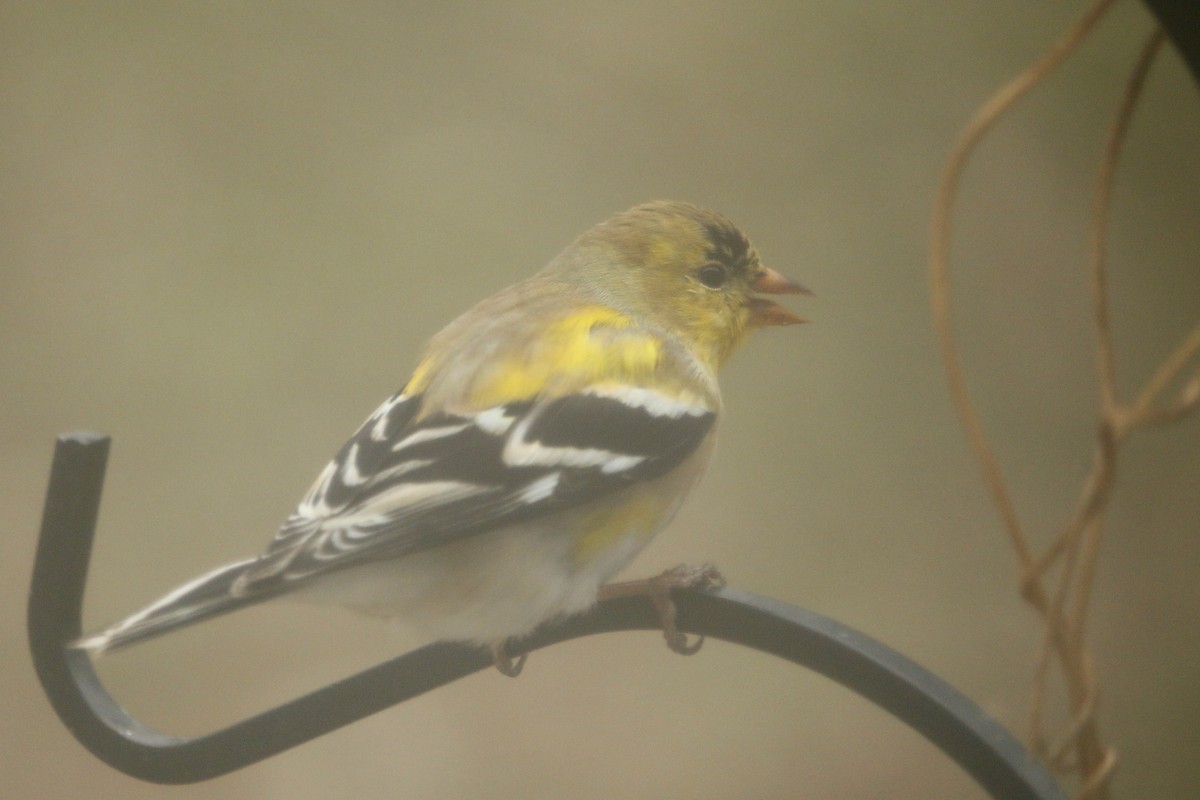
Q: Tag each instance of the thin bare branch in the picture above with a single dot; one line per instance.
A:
(940, 236)
(1186, 402)
(1143, 409)
(1101, 204)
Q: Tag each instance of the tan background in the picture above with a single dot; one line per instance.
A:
(226, 230)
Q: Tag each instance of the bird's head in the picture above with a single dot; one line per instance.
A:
(689, 269)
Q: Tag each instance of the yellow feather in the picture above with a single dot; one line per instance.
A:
(639, 515)
(420, 377)
(587, 346)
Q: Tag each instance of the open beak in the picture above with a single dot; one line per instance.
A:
(764, 312)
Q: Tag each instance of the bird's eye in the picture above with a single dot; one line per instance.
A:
(713, 276)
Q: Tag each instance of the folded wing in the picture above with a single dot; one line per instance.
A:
(407, 482)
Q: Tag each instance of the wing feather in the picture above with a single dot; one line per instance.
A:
(406, 482)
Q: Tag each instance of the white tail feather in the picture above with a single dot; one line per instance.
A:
(208, 596)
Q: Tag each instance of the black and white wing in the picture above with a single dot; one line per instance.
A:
(406, 482)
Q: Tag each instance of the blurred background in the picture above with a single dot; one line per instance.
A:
(226, 229)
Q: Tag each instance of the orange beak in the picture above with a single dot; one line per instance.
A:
(764, 312)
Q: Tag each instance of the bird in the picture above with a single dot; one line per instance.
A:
(544, 437)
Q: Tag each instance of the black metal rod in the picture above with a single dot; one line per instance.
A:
(1181, 19)
(952, 722)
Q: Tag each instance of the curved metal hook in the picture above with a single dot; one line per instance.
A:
(952, 722)
(1181, 19)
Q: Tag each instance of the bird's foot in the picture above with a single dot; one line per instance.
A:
(505, 663)
(659, 589)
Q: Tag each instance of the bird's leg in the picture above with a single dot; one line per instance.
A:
(658, 589)
(505, 663)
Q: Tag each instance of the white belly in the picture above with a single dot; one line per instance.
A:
(504, 584)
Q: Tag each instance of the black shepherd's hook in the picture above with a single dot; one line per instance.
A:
(952, 722)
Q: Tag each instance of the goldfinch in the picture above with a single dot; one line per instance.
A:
(544, 437)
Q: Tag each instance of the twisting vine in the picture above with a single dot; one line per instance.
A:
(1062, 598)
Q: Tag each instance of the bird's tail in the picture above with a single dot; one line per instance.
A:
(208, 596)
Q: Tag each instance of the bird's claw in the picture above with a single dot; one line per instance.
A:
(659, 589)
(505, 663)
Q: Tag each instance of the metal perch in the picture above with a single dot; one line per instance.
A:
(952, 722)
